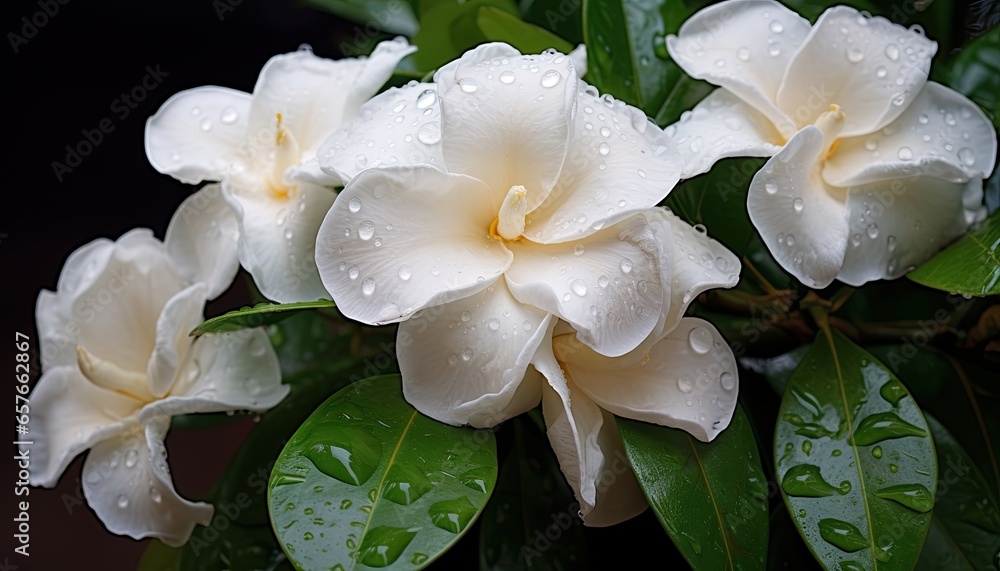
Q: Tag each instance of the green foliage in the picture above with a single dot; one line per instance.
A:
(368, 481)
(711, 498)
(970, 266)
(261, 314)
(854, 459)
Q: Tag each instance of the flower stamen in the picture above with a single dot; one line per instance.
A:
(509, 224)
(831, 123)
(286, 154)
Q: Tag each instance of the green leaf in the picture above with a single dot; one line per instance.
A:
(388, 16)
(710, 497)
(685, 93)
(500, 26)
(622, 54)
(975, 72)
(561, 17)
(532, 503)
(970, 266)
(448, 28)
(965, 529)
(855, 463)
(369, 481)
(954, 392)
(260, 314)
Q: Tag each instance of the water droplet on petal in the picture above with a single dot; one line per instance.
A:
(854, 55)
(776, 26)
(685, 385)
(426, 99)
(579, 287)
(967, 156)
(366, 230)
(551, 78)
(743, 54)
(354, 205)
(604, 149)
(507, 76)
(368, 286)
(626, 265)
(798, 205)
(468, 85)
(700, 340)
(122, 501)
(770, 187)
(892, 52)
(404, 272)
(229, 115)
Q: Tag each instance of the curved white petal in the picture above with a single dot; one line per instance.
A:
(574, 425)
(505, 124)
(127, 483)
(224, 372)
(118, 312)
(57, 325)
(181, 314)
(941, 134)
(398, 240)
(870, 67)
(687, 380)
(722, 126)
(619, 497)
(607, 285)
(69, 414)
(699, 264)
(802, 219)
(900, 223)
(579, 57)
(310, 171)
(617, 163)
(401, 126)
(202, 239)
(278, 239)
(745, 47)
(315, 96)
(463, 362)
(197, 134)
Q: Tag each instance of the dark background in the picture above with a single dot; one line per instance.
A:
(65, 79)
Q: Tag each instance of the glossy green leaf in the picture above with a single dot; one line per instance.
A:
(367, 481)
(854, 459)
(448, 28)
(260, 314)
(975, 71)
(965, 529)
(956, 393)
(785, 550)
(623, 57)
(388, 16)
(684, 94)
(500, 26)
(532, 505)
(564, 18)
(711, 498)
(970, 266)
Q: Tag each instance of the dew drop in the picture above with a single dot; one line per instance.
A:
(429, 133)
(551, 78)
(914, 496)
(404, 272)
(122, 501)
(798, 205)
(881, 72)
(131, 457)
(154, 495)
(842, 534)
(206, 124)
(905, 153)
(776, 26)
(892, 52)
(579, 287)
(229, 115)
(626, 265)
(967, 156)
(353, 272)
(426, 98)
(872, 231)
(700, 340)
(727, 380)
(774, 50)
(854, 55)
(771, 187)
(604, 149)
(366, 230)
(743, 54)
(468, 85)
(368, 286)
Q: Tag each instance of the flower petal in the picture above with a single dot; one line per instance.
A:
(127, 483)
(69, 414)
(278, 239)
(224, 372)
(398, 240)
(505, 124)
(802, 220)
(401, 126)
(941, 134)
(181, 314)
(197, 134)
(870, 67)
(898, 224)
(463, 362)
(56, 322)
(722, 126)
(315, 96)
(122, 304)
(688, 380)
(619, 497)
(617, 163)
(202, 239)
(744, 47)
(696, 264)
(574, 425)
(579, 57)
(607, 285)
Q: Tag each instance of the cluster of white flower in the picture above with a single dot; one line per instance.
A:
(504, 215)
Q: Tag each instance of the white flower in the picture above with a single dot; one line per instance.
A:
(118, 363)
(263, 146)
(537, 211)
(878, 168)
(685, 378)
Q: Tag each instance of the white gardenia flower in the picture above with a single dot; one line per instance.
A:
(509, 194)
(875, 168)
(262, 146)
(118, 363)
(686, 378)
